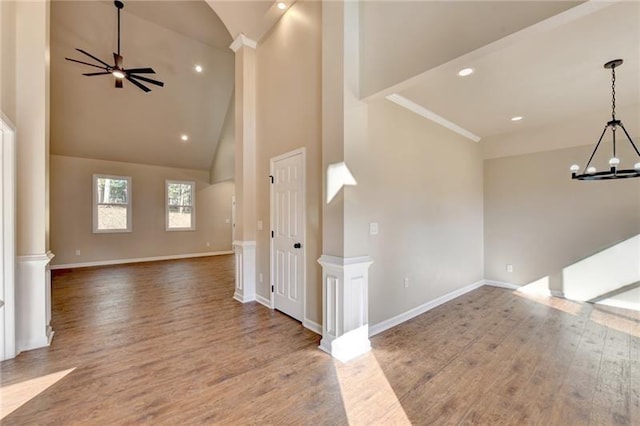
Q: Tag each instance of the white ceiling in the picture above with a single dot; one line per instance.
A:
(90, 118)
(546, 74)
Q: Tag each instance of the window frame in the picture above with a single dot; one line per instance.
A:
(192, 205)
(96, 203)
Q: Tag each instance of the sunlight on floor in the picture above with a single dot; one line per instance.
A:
(622, 320)
(538, 291)
(367, 396)
(13, 396)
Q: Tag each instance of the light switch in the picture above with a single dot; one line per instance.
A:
(259, 225)
(373, 228)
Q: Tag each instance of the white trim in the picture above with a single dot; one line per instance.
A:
(501, 284)
(242, 40)
(419, 310)
(33, 302)
(129, 204)
(263, 301)
(556, 293)
(247, 243)
(138, 260)
(430, 115)
(619, 304)
(192, 184)
(327, 260)
(8, 238)
(303, 152)
(345, 306)
(313, 326)
(245, 277)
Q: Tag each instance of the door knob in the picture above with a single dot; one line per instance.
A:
(297, 245)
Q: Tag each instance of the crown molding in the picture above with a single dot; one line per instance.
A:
(242, 40)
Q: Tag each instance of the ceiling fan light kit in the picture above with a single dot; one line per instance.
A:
(614, 172)
(117, 69)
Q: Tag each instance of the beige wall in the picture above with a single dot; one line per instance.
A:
(8, 59)
(222, 166)
(423, 185)
(397, 33)
(541, 221)
(71, 213)
(289, 117)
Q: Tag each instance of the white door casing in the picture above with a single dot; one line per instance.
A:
(7, 239)
(288, 275)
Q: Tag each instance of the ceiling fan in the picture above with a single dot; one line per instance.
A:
(117, 69)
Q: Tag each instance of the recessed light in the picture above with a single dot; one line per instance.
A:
(465, 72)
(282, 5)
(516, 118)
(184, 138)
(198, 68)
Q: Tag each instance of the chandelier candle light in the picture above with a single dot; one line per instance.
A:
(590, 172)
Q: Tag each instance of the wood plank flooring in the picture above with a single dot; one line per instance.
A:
(165, 343)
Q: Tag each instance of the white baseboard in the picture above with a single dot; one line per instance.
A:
(500, 284)
(312, 325)
(411, 313)
(556, 293)
(138, 260)
(263, 301)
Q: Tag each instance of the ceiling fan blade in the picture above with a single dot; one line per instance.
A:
(91, 56)
(117, 59)
(87, 63)
(141, 86)
(148, 80)
(91, 74)
(118, 83)
(141, 71)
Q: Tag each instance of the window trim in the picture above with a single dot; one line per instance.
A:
(95, 203)
(192, 205)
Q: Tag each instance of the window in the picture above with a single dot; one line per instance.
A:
(111, 203)
(181, 201)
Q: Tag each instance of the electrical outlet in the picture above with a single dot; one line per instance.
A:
(406, 282)
(77, 252)
(509, 267)
(208, 244)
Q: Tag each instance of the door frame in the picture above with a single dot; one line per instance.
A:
(8, 236)
(300, 151)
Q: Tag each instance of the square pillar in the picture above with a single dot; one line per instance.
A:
(345, 306)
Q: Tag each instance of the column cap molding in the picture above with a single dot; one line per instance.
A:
(247, 243)
(45, 257)
(242, 40)
(327, 260)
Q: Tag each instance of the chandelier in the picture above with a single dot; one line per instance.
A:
(589, 172)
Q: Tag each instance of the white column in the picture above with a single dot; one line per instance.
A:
(345, 306)
(33, 302)
(245, 168)
(33, 278)
(245, 252)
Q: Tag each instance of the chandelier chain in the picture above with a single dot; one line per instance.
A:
(613, 92)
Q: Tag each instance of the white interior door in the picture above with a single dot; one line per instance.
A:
(288, 229)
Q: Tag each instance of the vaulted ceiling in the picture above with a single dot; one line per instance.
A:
(539, 60)
(90, 118)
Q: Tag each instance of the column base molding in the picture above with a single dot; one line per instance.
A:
(245, 254)
(345, 307)
(33, 302)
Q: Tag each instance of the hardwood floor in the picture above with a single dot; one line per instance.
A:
(165, 343)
